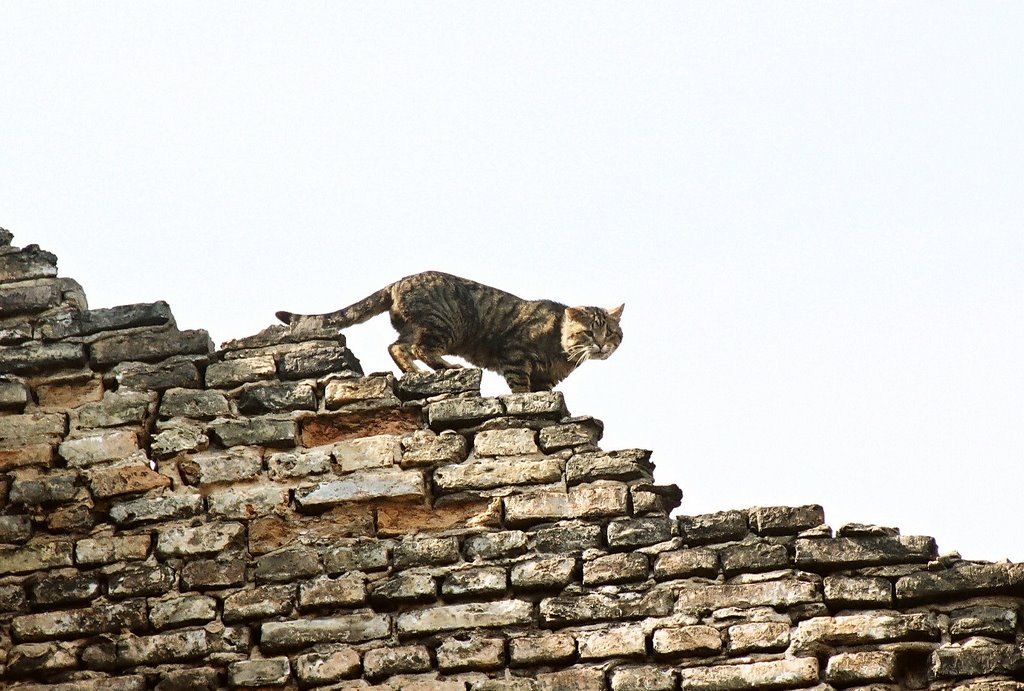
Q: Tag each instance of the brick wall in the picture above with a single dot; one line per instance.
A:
(265, 516)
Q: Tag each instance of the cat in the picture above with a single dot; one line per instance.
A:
(533, 344)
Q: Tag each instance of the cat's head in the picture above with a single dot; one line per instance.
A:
(591, 333)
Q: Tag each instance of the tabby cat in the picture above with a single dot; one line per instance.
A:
(533, 344)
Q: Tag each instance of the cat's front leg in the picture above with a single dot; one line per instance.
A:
(517, 375)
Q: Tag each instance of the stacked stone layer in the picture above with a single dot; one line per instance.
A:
(265, 516)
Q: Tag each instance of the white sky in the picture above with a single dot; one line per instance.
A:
(814, 212)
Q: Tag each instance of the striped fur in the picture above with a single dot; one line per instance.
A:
(533, 344)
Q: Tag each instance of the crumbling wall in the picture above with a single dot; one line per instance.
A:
(265, 516)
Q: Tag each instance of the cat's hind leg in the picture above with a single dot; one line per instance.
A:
(434, 359)
(517, 376)
(403, 354)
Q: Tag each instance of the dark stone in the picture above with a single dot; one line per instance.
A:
(624, 465)
(960, 581)
(201, 679)
(404, 589)
(361, 555)
(426, 551)
(29, 297)
(710, 528)
(261, 602)
(450, 382)
(12, 599)
(503, 545)
(287, 564)
(34, 357)
(568, 538)
(15, 528)
(149, 346)
(630, 533)
(191, 403)
(50, 489)
(276, 397)
(263, 431)
(64, 588)
(753, 557)
(308, 361)
(785, 520)
(30, 262)
(175, 372)
(957, 662)
(140, 579)
(584, 609)
(850, 552)
(207, 574)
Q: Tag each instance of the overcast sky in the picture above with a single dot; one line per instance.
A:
(814, 212)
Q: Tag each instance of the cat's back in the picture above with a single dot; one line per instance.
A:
(438, 286)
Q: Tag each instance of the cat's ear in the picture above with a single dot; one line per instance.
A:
(616, 313)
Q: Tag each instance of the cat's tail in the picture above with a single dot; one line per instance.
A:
(357, 313)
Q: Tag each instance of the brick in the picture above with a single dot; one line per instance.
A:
(329, 428)
(26, 456)
(753, 557)
(30, 296)
(631, 533)
(696, 641)
(287, 564)
(70, 393)
(711, 528)
(618, 642)
(454, 413)
(14, 394)
(851, 552)
(311, 360)
(149, 346)
(363, 485)
(785, 520)
(275, 397)
(98, 447)
(268, 430)
(959, 661)
(615, 568)
(47, 489)
(498, 545)
(424, 448)
(487, 474)
(379, 451)
(232, 373)
(15, 528)
(398, 518)
(568, 538)
(624, 465)
(861, 667)
(862, 629)
(575, 678)
(182, 611)
(258, 673)
(449, 382)
(476, 654)
(196, 404)
(471, 615)
(765, 594)
(327, 666)
(758, 637)
(131, 476)
(109, 549)
(346, 591)
(849, 591)
(961, 581)
(244, 503)
(380, 663)
(79, 623)
(158, 507)
(776, 674)
(173, 373)
(686, 563)
(581, 432)
(210, 574)
(426, 551)
(404, 588)
(127, 408)
(172, 646)
(647, 678)
(30, 262)
(576, 609)
(506, 442)
(186, 541)
(593, 500)
(542, 649)
(366, 392)
(64, 587)
(983, 620)
(260, 602)
(535, 404)
(358, 555)
(478, 582)
(34, 357)
(231, 465)
(138, 579)
(32, 428)
(34, 556)
(301, 633)
(178, 436)
(286, 465)
(543, 574)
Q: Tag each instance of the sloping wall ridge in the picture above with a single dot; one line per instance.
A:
(265, 516)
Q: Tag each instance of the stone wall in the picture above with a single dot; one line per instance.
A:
(265, 516)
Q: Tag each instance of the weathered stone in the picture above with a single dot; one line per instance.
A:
(134, 580)
(127, 408)
(286, 465)
(191, 644)
(34, 357)
(848, 591)
(232, 373)
(423, 448)
(373, 391)
(454, 413)
(543, 404)
(131, 476)
(959, 661)
(327, 666)
(149, 346)
(287, 565)
(767, 594)
(480, 615)
(385, 662)
(404, 588)
(615, 568)
(261, 602)
(70, 393)
(109, 549)
(98, 447)
(475, 653)
(276, 397)
(775, 674)
(758, 637)
(79, 623)
(499, 545)
(983, 620)
(14, 394)
(962, 580)
(710, 528)
(479, 582)
(785, 520)
(687, 641)
(266, 672)
(553, 573)
(574, 678)
(46, 658)
(64, 587)
(165, 506)
(182, 611)
(686, 563)
(189, 679)
(126, 317)
(404, 518)
(625, 465)
(31, 296)
(32, 428)
(186, 541)
(575, 609)
(179, 436)
(448, 382)
(48, 489)
(379, 451)
(363, 485)
(174, 372)
(543, 649)
(567, 538)
(347, 591)
(346, 628)
(752, 557)
(619, 642)
(646, 678)
(850, 552)
(270, 533)
(310, 360)
(13, 600)
(506, 442)
(860, 629)
(426, 551)
(579, 432)
(592, 500)
(861, 667)
(631, 533)
(196, 404)
(268, 430)
(71, 518)
(333, 427)
(29, 262)
(232, 465)
(244, 503)
(358, 555)
(488, 473)
(26, 456)
(15, 528)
